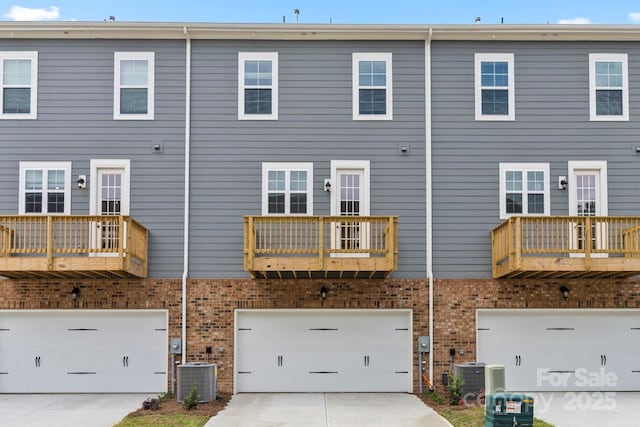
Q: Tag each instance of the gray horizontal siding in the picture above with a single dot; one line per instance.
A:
(551, 126)
(75, 123)
(315, 125)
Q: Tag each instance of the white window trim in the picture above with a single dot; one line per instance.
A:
(45, 166)
(364, 165)
(33, 114)
(362, 56)
(608, 57)
(258, 56)
(138, 56)
(266, 167)
(524, 168)
(600, 165)
(509, 58)
(96, 164)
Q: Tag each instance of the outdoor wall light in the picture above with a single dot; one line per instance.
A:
(327, 184)
(75, 293)
(562, 182)
(565, 292)
(82, 181)
(324, 292)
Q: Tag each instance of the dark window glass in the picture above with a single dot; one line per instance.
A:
(133, 101)
(536, 203)
(609, 102)
(257, 101)
(373, 101)
(33, 203)
(16, 101)
(495, 102)
(55, 203)
(514, 203)
(276, 203)
(298, 203)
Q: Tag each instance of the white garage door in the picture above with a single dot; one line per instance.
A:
(323, 351)
(564, 349)
(83, 351)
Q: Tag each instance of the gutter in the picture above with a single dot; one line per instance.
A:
(187, 184)
(429, 189)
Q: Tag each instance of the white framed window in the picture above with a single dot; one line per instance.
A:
(45, 188)
(19, 77)
(287, 188)
(372, 86)
(257, 85)
(134, 84)
(495, 86)
(608, 87)
(524, 189)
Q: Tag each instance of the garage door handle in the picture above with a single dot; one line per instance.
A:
(280, 361)
(37, 361)
(125, 361)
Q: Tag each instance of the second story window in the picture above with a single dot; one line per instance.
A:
(19, 74)
(372, 86)
(495, 89)
(608, 87)
(287, 188)
(133, 86)
(258, 86)
(524, 189)
(45, 188)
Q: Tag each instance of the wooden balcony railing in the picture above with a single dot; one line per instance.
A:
(320, 246)
(566, 246)
(72, 246)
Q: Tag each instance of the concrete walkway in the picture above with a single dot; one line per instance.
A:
(327, 410)
(66, 410)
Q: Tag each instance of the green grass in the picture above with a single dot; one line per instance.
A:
(474, 417)
(164, 421)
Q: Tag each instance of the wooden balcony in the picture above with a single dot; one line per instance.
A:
(566, 246)
(320, 246)
(72, 246)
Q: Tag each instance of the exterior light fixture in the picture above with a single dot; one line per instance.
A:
(565, 292)
(82, 181)
(327, 185)
(324, 292)
(75, 293)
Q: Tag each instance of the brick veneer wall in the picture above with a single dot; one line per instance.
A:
(212, 302)
(456, 301)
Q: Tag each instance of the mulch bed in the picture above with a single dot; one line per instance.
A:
(170, 406)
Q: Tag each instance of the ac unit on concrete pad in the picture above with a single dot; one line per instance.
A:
(202, 375)
(494, 379)
(473, 376)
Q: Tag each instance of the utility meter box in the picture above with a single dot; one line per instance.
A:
(508, 410)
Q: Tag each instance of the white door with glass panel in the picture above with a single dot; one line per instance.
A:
(110, 194)
(350, 199)
(587, 187)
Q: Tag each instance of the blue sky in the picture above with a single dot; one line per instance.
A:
(325, 11)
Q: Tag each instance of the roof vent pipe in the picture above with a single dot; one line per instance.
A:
(477, 19)
(112, 18)
(297, 12)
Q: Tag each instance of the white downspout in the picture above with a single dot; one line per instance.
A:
(427, 115)
(187, 184)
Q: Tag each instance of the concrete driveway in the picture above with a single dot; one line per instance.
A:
(68, 410)
(573, 409)
(327, 410)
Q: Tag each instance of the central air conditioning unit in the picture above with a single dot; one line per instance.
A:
(202, 375)
(473, 376)
(494, 379)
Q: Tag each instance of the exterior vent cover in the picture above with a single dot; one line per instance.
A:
(473, 376)
(203, 375)
(494, 379)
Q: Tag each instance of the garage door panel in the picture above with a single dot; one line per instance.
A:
(323, 350)
(83, 351)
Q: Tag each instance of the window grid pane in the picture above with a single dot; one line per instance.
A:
(16, 101)
(33, 203)
(287, 192)
(133, 101)
(134, 72)
(524, 196)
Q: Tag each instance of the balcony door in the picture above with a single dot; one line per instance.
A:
(350, 198)
(588, 197)
(109, 197)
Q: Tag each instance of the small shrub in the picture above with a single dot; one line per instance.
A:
(435, 397)
(192, 399)
(151, 404)
(455, 390)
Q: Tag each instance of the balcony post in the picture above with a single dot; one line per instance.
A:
(320, 225)
(390, 242)
(49, 242)
(518, 241)
(587, 243)
(250, 243)
(121, 242)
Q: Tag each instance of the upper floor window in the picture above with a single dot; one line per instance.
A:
(45, 188)
(524, 189)
(133, 85)
(608, 87)
(19, 96)
(258, 86)
(495, 88)
(372, 86)
(287, 188)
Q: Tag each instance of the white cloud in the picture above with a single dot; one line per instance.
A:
(634, 16)
(577, 20)
(19, 13)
